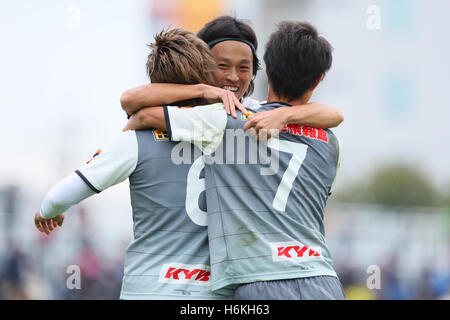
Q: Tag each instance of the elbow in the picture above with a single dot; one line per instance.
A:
(125, 100)
(143, 116)
(129, 101)
(338, 117)
(146, 118)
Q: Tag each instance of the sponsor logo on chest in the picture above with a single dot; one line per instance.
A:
(298, 130)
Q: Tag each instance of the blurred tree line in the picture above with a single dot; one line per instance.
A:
(395, 185)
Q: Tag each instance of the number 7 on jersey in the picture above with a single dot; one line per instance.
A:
(298, 151)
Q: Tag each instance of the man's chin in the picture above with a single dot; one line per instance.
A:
(239, 95)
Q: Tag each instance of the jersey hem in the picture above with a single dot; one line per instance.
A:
(239, 280)
(155, 296)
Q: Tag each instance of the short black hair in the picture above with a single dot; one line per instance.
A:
(296, 56)
(230, 27)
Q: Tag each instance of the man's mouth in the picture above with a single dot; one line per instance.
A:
(230, 88)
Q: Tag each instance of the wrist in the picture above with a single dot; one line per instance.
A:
(41, 215)
(200, 90)
(287, 115)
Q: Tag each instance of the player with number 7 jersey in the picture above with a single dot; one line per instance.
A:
(265, 218)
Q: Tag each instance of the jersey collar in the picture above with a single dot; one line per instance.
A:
(277, 103)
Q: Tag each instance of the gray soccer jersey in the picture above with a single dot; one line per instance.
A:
(169, 255)
(265, 216)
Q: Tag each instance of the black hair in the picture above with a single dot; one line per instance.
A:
(230, 27)
(296, 56)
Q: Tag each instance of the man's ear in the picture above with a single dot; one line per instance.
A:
(317, 82)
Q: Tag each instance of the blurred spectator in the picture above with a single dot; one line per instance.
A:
(12, 274)
(10, 194)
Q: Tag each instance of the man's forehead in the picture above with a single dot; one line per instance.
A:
(232, 50)
(229, 59)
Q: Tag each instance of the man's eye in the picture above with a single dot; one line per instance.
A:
(222, 65)
(244, 68)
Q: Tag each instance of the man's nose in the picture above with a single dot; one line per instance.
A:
(232, 75)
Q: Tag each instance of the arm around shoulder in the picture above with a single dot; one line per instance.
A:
(315, 114)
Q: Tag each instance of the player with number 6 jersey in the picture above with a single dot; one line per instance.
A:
(168, 257)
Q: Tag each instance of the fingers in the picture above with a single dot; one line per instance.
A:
(59, 219)
(258, 129)
(249, 124)
(47, 226)
(50, 226)
(43, 227)
(226, 103)
(239, 105)
(231, 103)
(253, 122)
(231, 98)
(128, 126)
(38, 226)
(38, 222)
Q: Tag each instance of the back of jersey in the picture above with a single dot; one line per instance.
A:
(169, 256)
(265, 215)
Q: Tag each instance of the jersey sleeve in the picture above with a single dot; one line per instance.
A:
(112, 164)
(203, 126)
(66, 193)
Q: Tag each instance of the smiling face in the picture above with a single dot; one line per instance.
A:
(234, 66)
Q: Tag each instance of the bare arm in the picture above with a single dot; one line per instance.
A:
(316, 115)
(152, 117)
(157, 94)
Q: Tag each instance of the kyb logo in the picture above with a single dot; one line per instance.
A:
(293, 251)
(178, 273)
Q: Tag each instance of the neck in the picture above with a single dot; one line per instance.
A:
(273, 97)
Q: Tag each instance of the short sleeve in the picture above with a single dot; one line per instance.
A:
(112, 164)
(203, 126)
